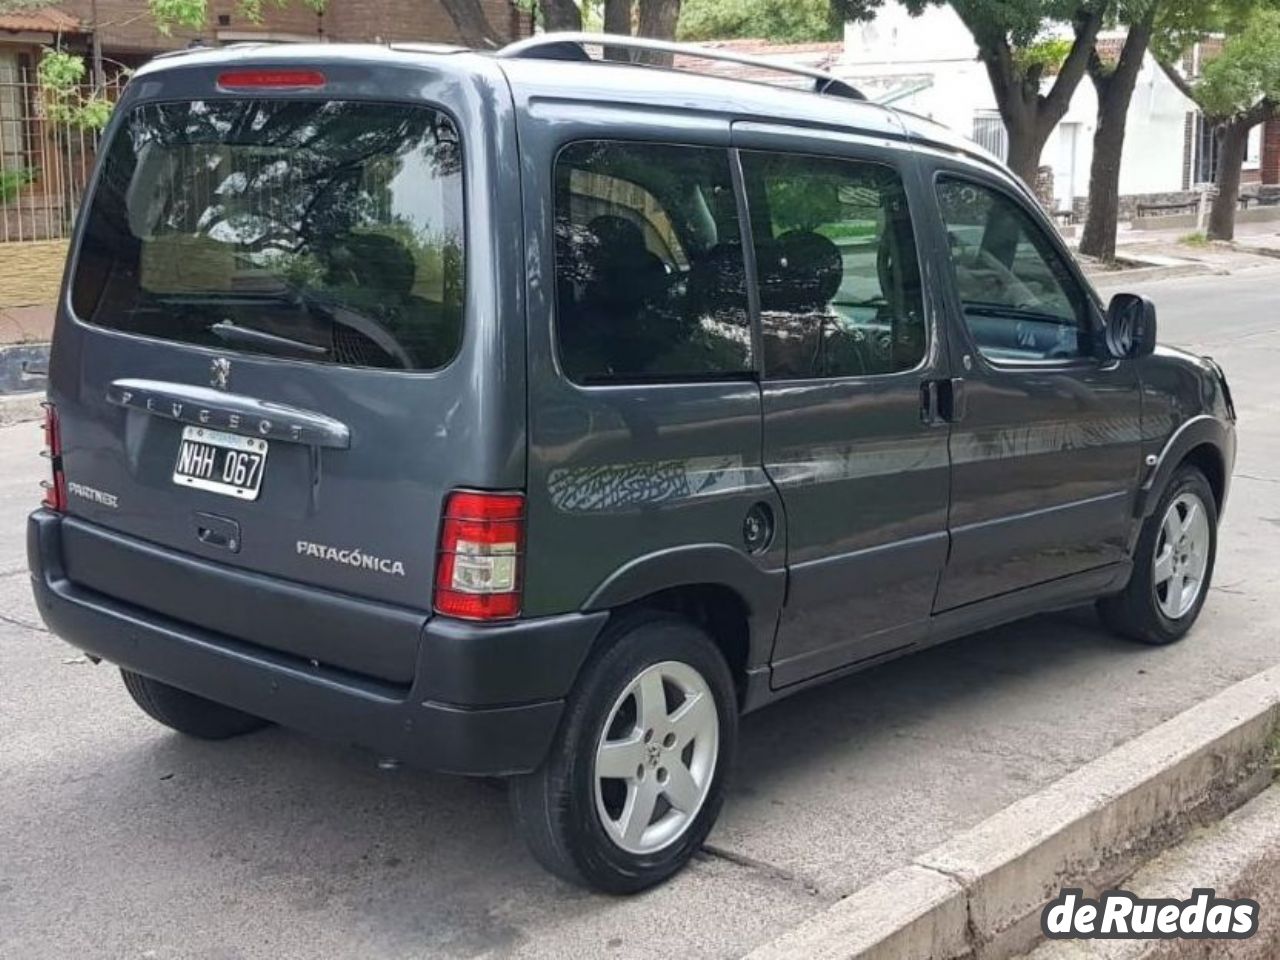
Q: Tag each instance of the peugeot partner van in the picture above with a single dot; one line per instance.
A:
(531, 416)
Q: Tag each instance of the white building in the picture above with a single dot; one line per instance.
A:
(929, 65)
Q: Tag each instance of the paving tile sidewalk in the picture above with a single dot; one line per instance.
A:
(1163, 253)
(26, 324)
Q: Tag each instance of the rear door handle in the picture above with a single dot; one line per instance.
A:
(215, 531)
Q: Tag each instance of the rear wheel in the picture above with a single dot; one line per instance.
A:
(1173, 565)
(635, 779)
(187, 713)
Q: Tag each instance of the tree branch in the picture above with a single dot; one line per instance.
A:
(1185, 86)
(473, 26)
(1072, 70)
(561, 15)
(1264, 109)
(1099, 72)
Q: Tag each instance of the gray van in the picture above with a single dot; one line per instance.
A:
(531, 416)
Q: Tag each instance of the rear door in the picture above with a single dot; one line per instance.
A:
(855, 436)
(288, 319)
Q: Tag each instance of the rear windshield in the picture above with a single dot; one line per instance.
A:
(328, 231)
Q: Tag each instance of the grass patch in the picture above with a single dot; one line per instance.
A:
(11, 181)
(1196, 239)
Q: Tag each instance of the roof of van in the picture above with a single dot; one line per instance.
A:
(610, 82)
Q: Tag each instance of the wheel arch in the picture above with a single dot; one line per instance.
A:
(1202, 441)
(715, 586)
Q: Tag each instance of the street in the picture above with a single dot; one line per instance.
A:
(120, 839)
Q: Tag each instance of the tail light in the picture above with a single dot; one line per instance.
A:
(478, 568)
(55, 488)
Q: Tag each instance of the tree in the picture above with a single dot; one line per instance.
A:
(781, 21)
(1113, 81)
(1237, 89)
(1011, 38)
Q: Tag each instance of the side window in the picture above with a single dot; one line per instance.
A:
(650, 283)
(840, 291)
(1019, 299)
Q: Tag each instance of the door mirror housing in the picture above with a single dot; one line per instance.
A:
(1131, 326)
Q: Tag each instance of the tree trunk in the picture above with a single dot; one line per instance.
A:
(1098, 238)
(658, 20)
(1024, 148)
(472, 25)
(561, 15)
(617, 20)
(1231, 149)
(1115, 91)
(1029, 116)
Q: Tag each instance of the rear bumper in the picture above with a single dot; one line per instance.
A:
(484, 700)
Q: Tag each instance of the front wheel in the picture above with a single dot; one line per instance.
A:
(1173, 565)
(635, 779)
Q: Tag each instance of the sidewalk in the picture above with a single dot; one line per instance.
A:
(1164, 253)
(26, 324)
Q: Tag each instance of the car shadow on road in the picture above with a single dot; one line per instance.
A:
(406, 858)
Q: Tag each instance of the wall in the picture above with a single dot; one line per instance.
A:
(129, 28)
(31, 272)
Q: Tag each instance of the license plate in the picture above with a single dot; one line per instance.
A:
(225, 463)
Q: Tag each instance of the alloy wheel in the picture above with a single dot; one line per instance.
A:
(656, 757)
(1181, 556)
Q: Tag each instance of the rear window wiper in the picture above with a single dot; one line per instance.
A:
(231, 333)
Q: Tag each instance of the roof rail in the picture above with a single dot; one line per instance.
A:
(571, 46)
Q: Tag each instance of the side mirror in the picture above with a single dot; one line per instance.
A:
(1131, 326)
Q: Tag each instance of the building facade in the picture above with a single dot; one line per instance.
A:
(929, 65)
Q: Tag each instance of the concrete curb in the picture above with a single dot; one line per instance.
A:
(981, 893)
(1239, 857)
(1120, 278)
(20, 407)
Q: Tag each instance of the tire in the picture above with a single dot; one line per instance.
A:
(574, 824)
(187, 713)
(1143, 611)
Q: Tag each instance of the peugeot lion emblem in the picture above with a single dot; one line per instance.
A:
(220, 372)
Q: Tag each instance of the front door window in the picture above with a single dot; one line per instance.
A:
(1019, 299)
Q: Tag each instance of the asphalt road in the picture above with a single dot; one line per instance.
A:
(119, 839)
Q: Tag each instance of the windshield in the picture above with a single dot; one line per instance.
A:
(329, 231)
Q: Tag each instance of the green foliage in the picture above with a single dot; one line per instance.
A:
(1043, 56)
(1181, 23)
(1246, 71)
(61, 77)
(781, 21)
(1194, 240)
(177, 13)
(1021, 22)
(11, 181)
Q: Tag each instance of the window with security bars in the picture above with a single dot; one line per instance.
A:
(990, 134)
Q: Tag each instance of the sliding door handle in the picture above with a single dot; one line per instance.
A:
(942, 401)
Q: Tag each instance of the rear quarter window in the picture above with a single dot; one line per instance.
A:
(327, 231)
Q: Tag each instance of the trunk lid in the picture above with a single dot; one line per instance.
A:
(267, 355)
